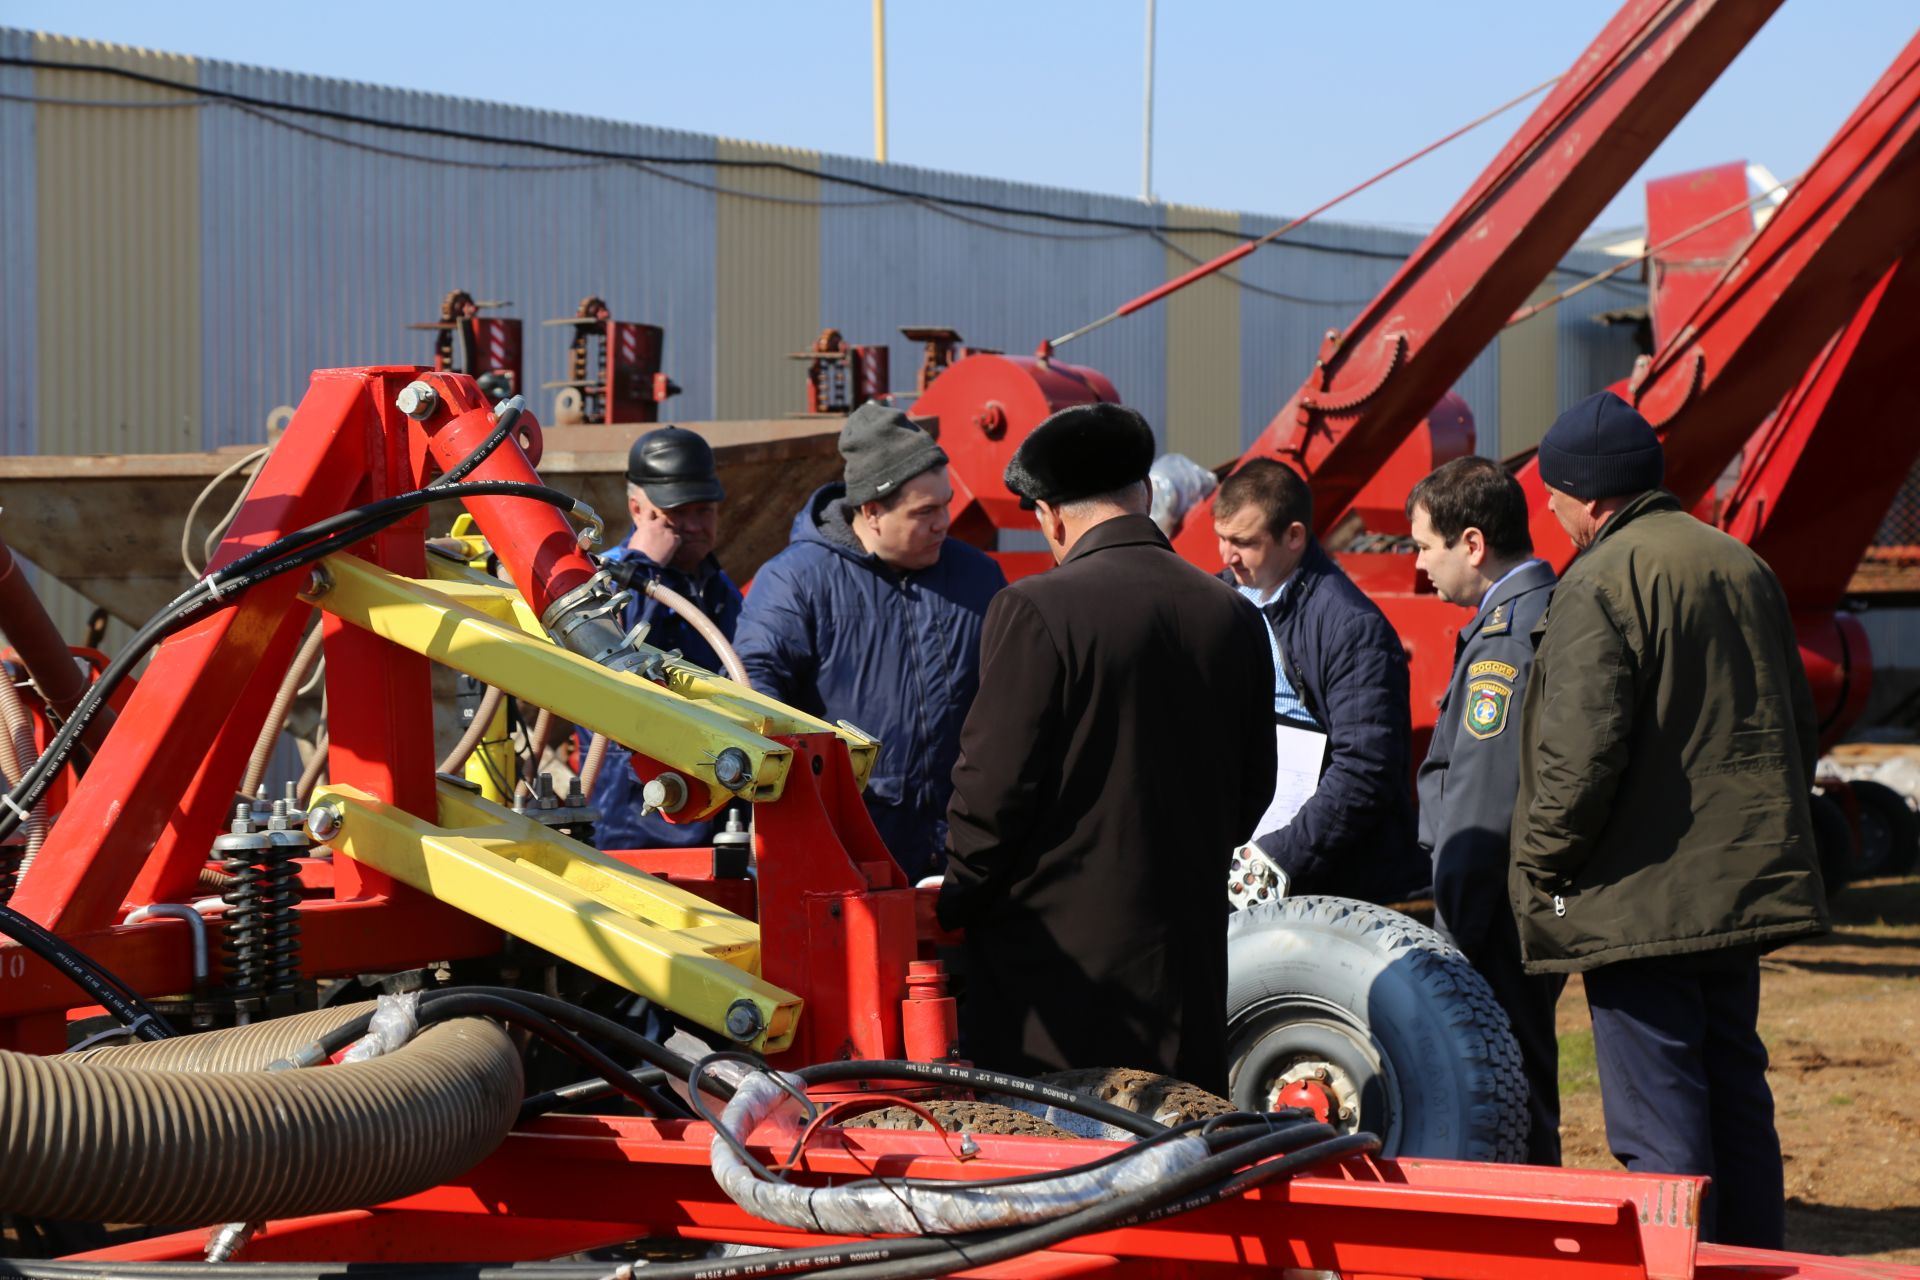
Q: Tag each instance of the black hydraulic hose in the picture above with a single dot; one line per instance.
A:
(1217, 1140)
(400, 504)
(28, 790)
(112, 994)
(594, 1090)
(285, 554)
(992, 1082)
(436, 1006)
(452, 1004)
(1199, 1185)
(911, 1256)
(625, 1038)
(505, 415)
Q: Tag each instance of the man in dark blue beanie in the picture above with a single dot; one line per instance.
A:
(1661, 835)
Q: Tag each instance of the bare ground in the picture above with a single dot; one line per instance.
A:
(1841, 1018)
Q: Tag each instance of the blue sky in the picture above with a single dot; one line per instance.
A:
(1269, 107)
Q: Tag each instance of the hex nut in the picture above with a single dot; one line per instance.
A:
(732, 769)
(743, 1020)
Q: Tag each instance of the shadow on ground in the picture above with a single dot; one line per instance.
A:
(1847, 1231)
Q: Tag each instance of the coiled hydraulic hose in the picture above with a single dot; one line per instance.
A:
(177, 1132)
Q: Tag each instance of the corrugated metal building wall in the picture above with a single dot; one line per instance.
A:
(174, 263)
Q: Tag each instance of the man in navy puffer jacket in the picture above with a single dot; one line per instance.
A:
(872, 615)
(1338, 668)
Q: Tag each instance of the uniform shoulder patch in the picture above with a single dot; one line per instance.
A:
(1487, 702)
(1498, 623)
(1490, 668)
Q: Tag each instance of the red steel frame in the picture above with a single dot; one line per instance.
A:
(1800, 278)
(841, 927)
(1765, 329)
(840, 924)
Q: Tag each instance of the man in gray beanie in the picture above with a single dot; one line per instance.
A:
(1661, 838)
(872, 615)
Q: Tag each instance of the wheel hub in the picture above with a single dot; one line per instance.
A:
(1329, 1093)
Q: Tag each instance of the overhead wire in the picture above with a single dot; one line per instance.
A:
(1293, 224)
(1603, 277)
(660, 165)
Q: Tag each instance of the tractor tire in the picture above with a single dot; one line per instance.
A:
(1384, 1018)
(1833, 841)
(971, 1117)
(1145, 1093)
(1889, 831)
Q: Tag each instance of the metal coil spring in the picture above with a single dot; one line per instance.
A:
(244, 930)
(279, 933)
(10, 855)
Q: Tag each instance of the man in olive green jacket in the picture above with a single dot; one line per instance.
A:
(1661, 839)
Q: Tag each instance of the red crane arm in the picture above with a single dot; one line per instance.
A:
(1773, 308)
(1374, 381)
(1803, 500)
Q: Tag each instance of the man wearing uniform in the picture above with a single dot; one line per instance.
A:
(1661, 837)
(1122, 745)
(1470, 528)
(674, 495)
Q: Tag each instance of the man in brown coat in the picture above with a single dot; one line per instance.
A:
(1661, 838)
(1120, 748)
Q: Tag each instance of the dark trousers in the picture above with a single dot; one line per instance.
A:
(1528, 1000)
(1683, 1083)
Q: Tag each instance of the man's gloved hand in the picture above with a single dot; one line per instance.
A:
(929, 882)
(1253, 878)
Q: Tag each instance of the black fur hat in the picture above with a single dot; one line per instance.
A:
(1081, 452)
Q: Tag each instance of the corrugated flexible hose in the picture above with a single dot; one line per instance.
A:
(193, 1130)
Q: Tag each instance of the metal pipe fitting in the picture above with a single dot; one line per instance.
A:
(196, 925)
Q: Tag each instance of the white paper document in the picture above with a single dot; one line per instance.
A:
(1300, 752)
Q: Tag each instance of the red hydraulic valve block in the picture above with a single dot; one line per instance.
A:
(930, 1019)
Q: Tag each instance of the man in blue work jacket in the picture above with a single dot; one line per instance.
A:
(872, 615)
(1470, 527)
(1339, 670)
(674, 495)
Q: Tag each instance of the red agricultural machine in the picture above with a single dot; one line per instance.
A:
(414, 1134)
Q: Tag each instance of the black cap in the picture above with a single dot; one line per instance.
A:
(1081, 452)
(1602, 448)
(674, 466)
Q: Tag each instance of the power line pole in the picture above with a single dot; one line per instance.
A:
(880, 80)
(1146, 141)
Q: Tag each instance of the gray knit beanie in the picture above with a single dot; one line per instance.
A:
(883, 449)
